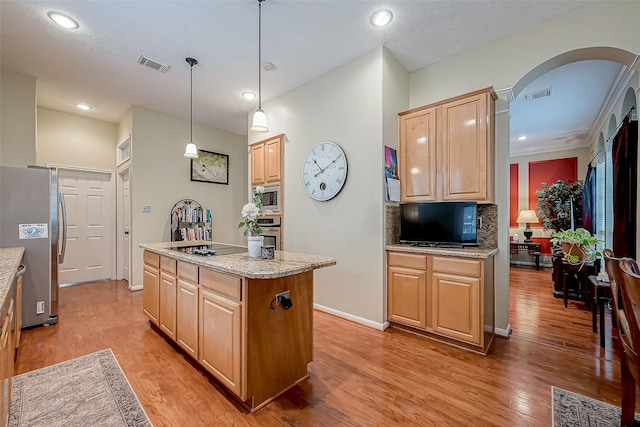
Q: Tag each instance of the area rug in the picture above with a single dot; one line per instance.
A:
(575, 410)
(90, 390)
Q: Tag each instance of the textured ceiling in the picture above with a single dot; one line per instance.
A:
(96, 63)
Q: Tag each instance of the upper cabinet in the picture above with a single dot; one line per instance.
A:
(266, 160)
(447, 149)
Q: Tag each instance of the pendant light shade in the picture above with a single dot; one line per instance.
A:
(191, 151)
(259, 123)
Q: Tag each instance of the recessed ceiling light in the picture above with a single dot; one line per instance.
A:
(382, 17)
(83, 107)
(63, 20)
(522, 138)
(249, 95)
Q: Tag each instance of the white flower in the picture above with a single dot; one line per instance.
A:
(259, 189)
(250, 211)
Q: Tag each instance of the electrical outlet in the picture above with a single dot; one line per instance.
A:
(285, 294)
(40, 307)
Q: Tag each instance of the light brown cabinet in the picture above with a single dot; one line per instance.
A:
(446, 297)
(220, 327)
(267, 161)
(187, 309)
(151, 287)
(447, 149)
(407, 283)
(168, 292)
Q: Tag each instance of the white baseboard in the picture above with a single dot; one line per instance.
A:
(351, 317)
(135, 288)
(503, 332)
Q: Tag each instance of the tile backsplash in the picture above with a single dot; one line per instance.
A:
(487, 235)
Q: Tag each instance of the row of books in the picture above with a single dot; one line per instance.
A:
(195, 233)
(187, 213)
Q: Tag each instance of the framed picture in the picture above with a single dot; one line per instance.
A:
(210, 167)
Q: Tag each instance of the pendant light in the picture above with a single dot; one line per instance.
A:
(191, 151)
(259, 123)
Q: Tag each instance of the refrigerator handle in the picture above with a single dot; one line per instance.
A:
(64, 229)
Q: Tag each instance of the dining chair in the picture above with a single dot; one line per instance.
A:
(630, 337)
(612, 267)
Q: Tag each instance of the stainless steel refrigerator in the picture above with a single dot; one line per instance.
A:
(31, 212)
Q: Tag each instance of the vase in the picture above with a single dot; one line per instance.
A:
(254, 243)
(573, 250)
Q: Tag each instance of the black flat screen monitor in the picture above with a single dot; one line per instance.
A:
(439, 223)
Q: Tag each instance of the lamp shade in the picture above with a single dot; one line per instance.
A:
(191, 151)
(528, 216)
(259, 123)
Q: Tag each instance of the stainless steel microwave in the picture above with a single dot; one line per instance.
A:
(271, 197)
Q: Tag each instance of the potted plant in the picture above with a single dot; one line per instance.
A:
(555, 202)
(578, 246)
(250, 213)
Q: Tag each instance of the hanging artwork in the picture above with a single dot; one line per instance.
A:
(210, 167)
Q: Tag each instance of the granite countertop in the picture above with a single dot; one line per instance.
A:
(468, 252)
(10, 259)
(283, 264)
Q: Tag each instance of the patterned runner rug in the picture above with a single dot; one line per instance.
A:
(90, 390)
(575, 410)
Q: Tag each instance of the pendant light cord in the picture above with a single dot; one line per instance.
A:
(191, 109)
(260, 54)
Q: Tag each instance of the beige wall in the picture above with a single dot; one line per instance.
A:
(17, 119)
(66, 139)
(160, 176)
(502, 64)
(344, 106)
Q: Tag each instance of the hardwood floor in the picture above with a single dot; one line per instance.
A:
(359, 376)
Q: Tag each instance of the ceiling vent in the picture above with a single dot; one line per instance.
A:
(538, 94)
(147, 62)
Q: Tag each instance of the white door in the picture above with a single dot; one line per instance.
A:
(90, 249)
(126, 217)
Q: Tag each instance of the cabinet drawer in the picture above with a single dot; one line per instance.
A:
(168, 264)
(152, 259)
(417, 261)
(188, 271)
(460, 266)
(221, 283)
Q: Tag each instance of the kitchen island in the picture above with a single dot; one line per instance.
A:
(222, 311)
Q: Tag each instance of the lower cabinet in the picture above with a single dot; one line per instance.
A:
(168, 291)
(220, 339)
(151, 287)
(187, 309)
(449, 297)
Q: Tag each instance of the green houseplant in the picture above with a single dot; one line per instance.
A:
(555, 201)
(578, 246)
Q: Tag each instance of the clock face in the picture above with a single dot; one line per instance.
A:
(324, 171)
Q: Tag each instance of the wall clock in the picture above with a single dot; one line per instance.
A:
(324, 171)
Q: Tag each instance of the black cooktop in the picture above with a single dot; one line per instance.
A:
(209, 250)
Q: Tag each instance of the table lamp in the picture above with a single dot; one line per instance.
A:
(528, 217)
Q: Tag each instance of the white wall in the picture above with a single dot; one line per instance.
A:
(344, 106)
(17, 119)
(502, 64)
(73, 140)
(160, 176)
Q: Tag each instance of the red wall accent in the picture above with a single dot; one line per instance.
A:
(513, 194)
(549, 171)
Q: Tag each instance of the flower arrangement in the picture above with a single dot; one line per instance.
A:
(250, 213)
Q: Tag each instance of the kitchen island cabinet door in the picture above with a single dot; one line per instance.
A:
(220, 338)
(187, 327)
(168, 286)
(151, 293)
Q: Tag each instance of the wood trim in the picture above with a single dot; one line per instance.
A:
(489, 89)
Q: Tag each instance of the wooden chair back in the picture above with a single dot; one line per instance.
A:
(612, 267)
(631, 307)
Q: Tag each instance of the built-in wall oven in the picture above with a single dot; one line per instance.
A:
(270, 197)
(271, 231)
